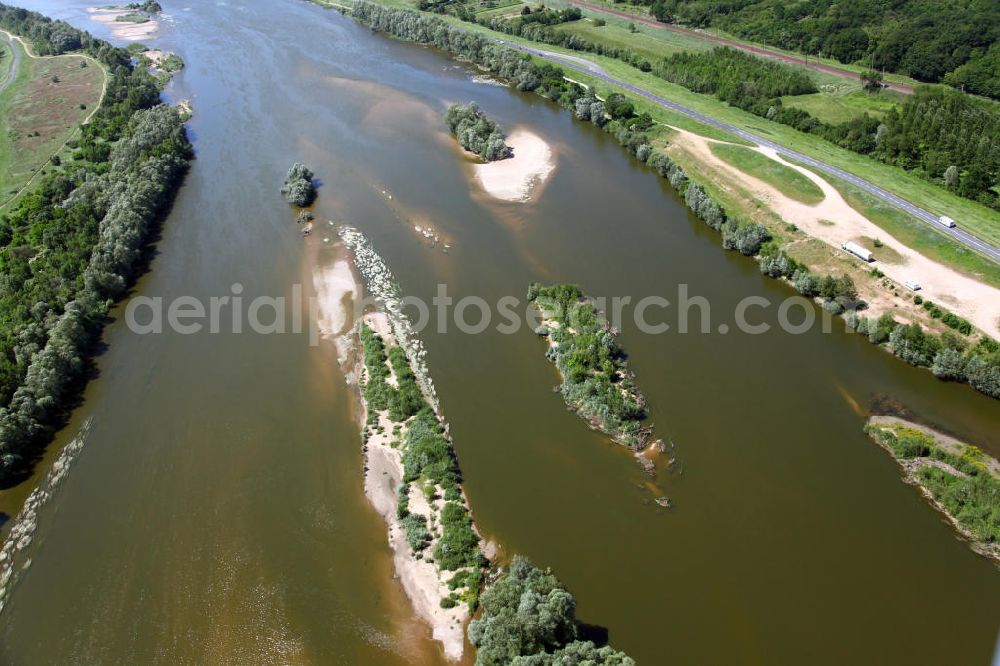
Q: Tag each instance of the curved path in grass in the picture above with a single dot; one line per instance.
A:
(9, 38)
(12, 74)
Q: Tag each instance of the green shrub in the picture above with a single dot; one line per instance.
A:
(417, 535)
(458, 546)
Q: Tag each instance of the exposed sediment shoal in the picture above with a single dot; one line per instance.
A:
(517, 177)
(123, 29)
(420, 579)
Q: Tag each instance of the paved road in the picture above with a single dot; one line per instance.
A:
(13, 68)
(757, 50)
(584, 65)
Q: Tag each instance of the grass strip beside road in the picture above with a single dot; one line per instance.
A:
(786, 180)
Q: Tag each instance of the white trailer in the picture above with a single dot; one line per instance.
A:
(946, 221)
(860, 252)
(912, 285)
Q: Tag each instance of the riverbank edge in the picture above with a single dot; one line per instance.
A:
(38, 407)
(981, 360)
(877, 426)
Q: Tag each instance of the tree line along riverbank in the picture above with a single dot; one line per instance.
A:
(972, 358)
(412, 477)
(74, 244)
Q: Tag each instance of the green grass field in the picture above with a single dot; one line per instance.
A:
(835, 107)
(653, 45)
(40, 110)
(786, 180)
(642, 11)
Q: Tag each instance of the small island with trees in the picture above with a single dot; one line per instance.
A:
(477, 133)
(597, 382)
(298, 188)
(959, 479)
(140, 12)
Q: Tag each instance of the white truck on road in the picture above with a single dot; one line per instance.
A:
(946, 221)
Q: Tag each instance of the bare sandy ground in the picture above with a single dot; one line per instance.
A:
(333, 284)
(834, 221)
(122, 29)
(515, 178)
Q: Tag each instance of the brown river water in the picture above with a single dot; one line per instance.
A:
(216, 513)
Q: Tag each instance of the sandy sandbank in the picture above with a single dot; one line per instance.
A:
(332, 285)
(421, 580)
(123, 29)
(517, 177)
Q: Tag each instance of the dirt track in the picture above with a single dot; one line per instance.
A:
(766, 53)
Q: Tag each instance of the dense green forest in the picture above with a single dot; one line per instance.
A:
(529, 619)
(736, 77)
(73, 244)
(950, 138)
(951, 42)
(476, 132)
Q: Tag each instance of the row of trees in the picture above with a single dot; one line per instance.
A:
(529, 619)
(505, 62)
(954, 42)
(476, 132)
(73, 244)
(949, 356)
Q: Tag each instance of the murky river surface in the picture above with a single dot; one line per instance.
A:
(216, 513)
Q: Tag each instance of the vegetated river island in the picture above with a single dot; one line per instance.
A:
(513, 167)
(596, 380)
(958, 479)
(412, 478)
